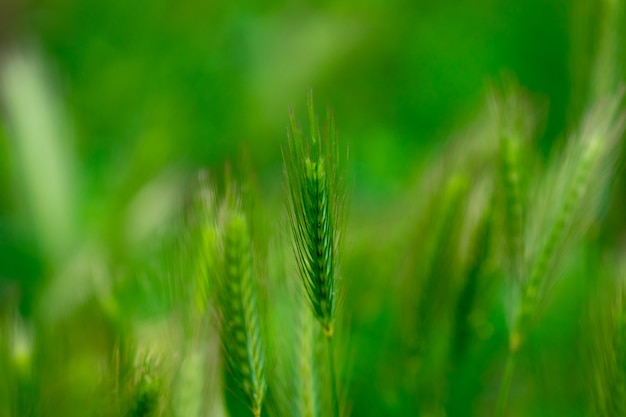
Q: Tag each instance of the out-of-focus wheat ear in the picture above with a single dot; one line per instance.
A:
(315, 209)
(511, 173)
(517, 120)
(473, 252)
(240, 319)
(569, 201)
(565, 204)
(308, 401)
(203, 223)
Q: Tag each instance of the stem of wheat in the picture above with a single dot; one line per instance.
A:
(308, 396)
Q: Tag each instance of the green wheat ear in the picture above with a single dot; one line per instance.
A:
(239, 313)
(315, 209)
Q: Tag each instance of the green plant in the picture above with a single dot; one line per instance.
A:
(488, 257)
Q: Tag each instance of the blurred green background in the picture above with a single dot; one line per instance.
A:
(144, 86)
(152, 84)
(128, 99)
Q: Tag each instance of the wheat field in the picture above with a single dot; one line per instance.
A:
(213, 209)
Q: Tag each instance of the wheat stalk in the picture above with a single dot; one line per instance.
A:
(240, 319)
(315, 207)
(564, 206)
(308, 395)
(567, 203)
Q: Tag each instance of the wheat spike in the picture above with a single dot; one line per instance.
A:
(315, 208)
(240, 321)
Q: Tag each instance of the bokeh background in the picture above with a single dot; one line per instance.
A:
(110, 106)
